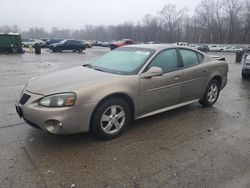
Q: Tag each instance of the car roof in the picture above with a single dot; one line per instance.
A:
(157, 47)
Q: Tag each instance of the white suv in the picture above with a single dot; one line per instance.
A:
(246, 67)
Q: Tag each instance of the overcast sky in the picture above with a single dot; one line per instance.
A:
(75, 14)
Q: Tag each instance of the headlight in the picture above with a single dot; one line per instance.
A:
(58, 100)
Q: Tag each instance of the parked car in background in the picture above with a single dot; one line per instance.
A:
(41, 42)
(74, 45)
(246, 67)
(121, 43)
(203, 48)
(45, 40)
(53, 41)
(195, 46)
(182, 43)
(32, 42)
(150, 42)
(105, 44)
(216, 48)
(246, 49)
(233, 49)
(130, 82)
(97, 43)
(88, 44)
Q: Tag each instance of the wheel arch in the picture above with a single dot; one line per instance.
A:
(218, 78)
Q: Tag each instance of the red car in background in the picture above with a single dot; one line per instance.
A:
(123, 42)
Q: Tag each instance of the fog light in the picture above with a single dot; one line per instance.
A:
(54, 126)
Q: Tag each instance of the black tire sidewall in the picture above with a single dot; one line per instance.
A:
(96, 125)
(204, 101)
(243, 75)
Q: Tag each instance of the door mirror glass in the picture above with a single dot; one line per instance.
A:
(152, 72)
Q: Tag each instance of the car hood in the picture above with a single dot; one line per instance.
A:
(68, 80)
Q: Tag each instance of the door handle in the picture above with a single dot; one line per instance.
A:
(204, 70)
(176, 77)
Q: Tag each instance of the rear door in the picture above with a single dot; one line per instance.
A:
(194, 75)
(69, 45)
(161, 91)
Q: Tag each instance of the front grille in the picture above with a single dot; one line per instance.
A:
(247, 63)
(24, 99)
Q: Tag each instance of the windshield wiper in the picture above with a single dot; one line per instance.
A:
(88, 65)
(92, 67)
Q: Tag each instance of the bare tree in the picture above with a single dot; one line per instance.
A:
(171, 22)
(205, 12)
(232, 10)
(246, 23)
(214, 21)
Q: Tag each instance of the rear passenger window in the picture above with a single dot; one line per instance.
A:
(167, 60)
(200, 57)
(189, 58)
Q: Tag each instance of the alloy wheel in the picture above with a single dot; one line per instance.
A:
(213, 92)
(113, 119)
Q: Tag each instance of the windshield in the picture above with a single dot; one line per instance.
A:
(126, 60)
(63, 41)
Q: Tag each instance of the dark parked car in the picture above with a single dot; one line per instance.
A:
(53, 41)
(67, 45)
(203, 48)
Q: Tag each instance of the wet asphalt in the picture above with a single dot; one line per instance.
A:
(187, 147)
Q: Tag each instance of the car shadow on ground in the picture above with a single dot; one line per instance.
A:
(137, 130)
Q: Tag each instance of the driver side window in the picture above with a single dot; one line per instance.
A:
(69, 42)
(167, 60)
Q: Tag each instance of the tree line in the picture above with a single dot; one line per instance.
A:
(213, 21)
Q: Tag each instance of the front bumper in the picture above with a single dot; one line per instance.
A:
(63, 120)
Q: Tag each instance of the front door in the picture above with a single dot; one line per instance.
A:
(161, 91)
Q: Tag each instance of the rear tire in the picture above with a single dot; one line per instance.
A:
(243, 75)
(80, 50)
(212, 94)
(110, 119)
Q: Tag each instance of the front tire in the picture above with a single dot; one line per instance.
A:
(110, 119)
(212, 94)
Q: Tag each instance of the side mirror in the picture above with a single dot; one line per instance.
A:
(152, 72)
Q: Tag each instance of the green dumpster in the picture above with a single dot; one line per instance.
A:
(10, 43)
